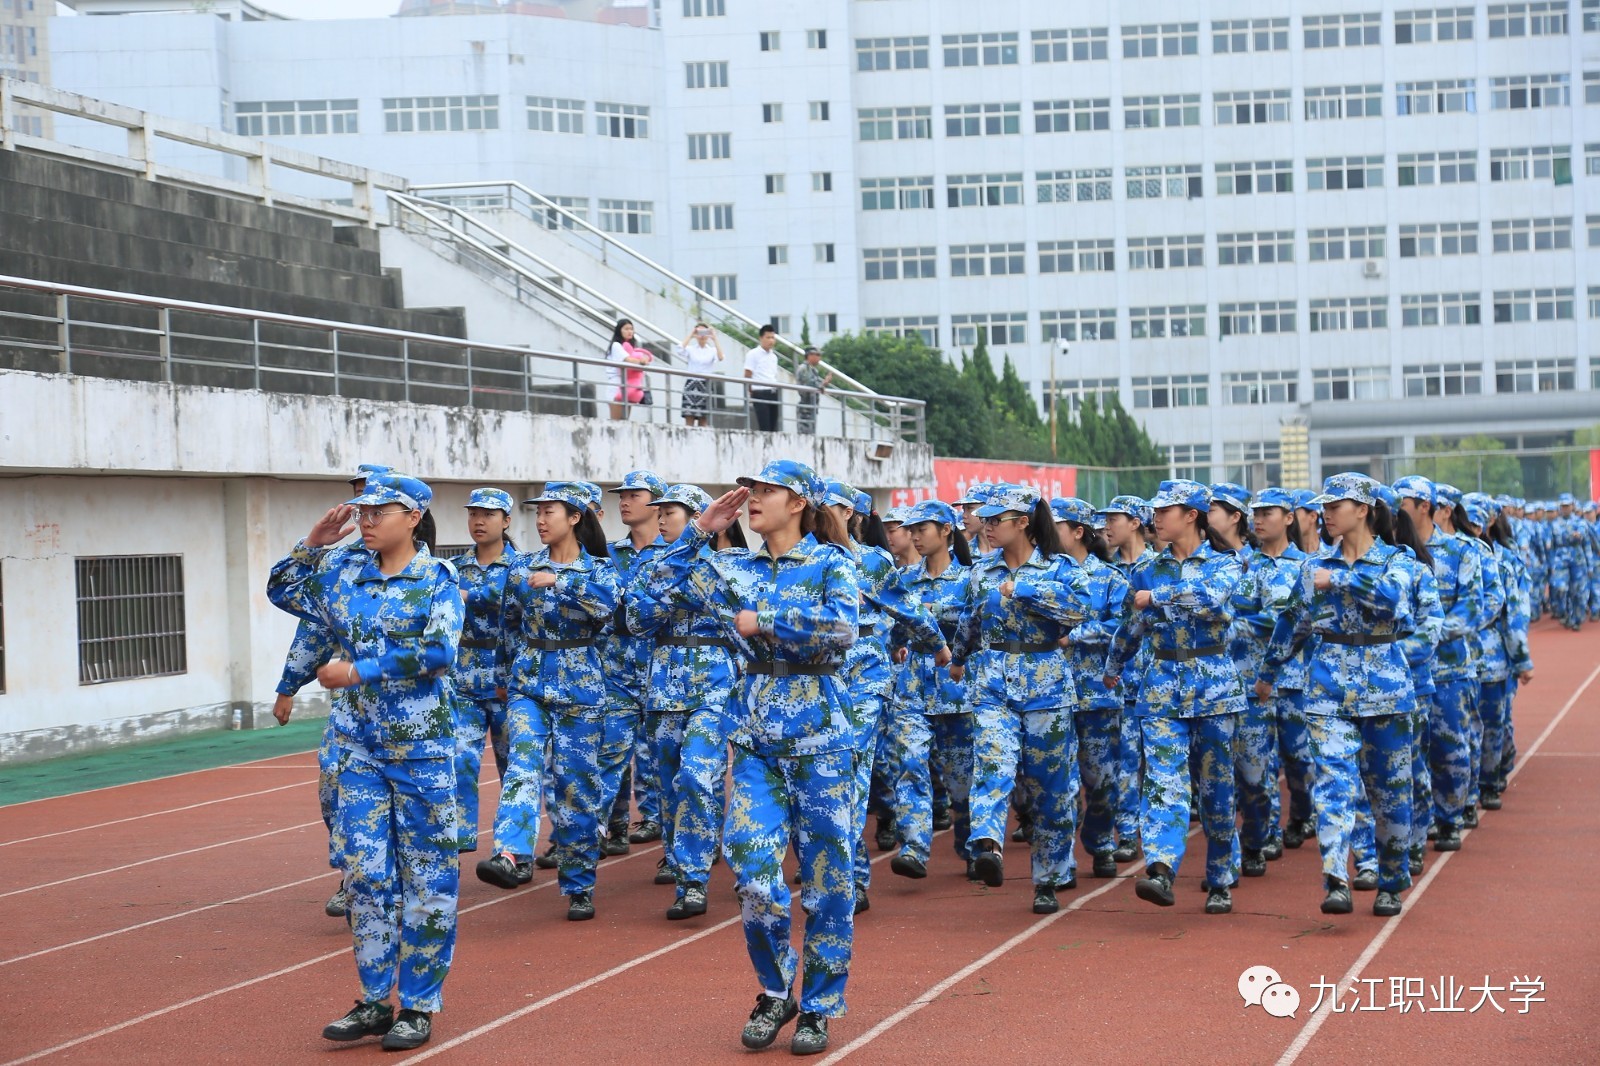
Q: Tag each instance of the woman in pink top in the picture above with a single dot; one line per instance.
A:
(630, 373)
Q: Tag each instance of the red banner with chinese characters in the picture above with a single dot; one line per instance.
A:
(1594, 473)
(954, 475)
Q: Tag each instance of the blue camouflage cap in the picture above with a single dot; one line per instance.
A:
(1132, 506)
(1273, 496)
(1386, 496)
(1306, 500)
(1072, 509)
(366, 470)
(1008, 497)
(896, 516)
(572, 493)
(862, 502)
(595, 496)
(1480, 509)
(1446, 495)
(1416, 487)
(959, 519)
(793, 475)
(977, 493)
(695, 498)
(1232, 494)
(1181, 492)
(932, 511)
(1566, 498)
(390, 487)
(490, 500)
(839, 494)
(648, 480)
(1347, 486)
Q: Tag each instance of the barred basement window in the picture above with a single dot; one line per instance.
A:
(130, 618)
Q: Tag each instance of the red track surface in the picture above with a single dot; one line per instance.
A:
(197, 934)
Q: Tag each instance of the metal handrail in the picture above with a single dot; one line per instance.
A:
(903, 417)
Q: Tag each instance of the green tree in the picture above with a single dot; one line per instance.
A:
(904, 366)
(1440, 460)
(1015, 398)
(805, 331)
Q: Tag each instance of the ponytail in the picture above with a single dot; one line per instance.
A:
(1042, 531)
(427, 531)
(1094, 541)
(824, 525)
(1380, 520)
(590, 536)
(960, 547)
(872, 532)
(1203, 525)
(1458, 516)
(735, 537)
(1296, 536)
(1405, 536)
(1499, 531)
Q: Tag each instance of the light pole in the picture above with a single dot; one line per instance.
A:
(1055, 398)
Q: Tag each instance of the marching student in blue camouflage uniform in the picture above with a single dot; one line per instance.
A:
(1025, 597)
(1359, 599)
(686, 709)
(481, 669)
(1125, 520)
(791, 609)
(1506, 659)
(1097, 717)
(1569, 552)
(1190, 696)
(933, 725)
(396, 613)
(558, 600)
(1490, 650)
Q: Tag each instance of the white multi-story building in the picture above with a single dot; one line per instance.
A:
(1372, 218)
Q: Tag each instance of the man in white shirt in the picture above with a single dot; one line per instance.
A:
(761, 367)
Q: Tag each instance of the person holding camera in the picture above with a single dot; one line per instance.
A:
(701, 353)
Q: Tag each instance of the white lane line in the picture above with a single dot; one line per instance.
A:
(1315, 1019)
(164, 777)
(214, 993)
(157, 814)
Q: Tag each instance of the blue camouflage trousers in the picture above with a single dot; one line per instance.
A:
(647, 778)
(1255, 770)
(694, 794)
(1294, 755)
(868, 710)
(928, 745)
(1474, 742)
(398, 826)
(1499, 742)
(1371, 753)
(573, 746)
(328, 794)
(1364, 834)
(812, 800)
(664, 732)
(1130, 773)
(623, 722)
(1569, 583)
(1421, 775)
(1037, 751)
(1164, 811)
(475, 719)
(1449, 748)
(1099, 742)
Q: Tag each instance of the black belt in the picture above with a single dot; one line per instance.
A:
(694, 642)
(481, 645)
(1360, 640)
(866, 631)
(786, 669)
(560, 645)
(1021, 647)
(1183, 655)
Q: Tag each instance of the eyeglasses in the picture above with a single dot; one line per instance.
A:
(1000, 520)
(371, 516)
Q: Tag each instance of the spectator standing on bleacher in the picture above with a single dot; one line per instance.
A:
(761, 367)
(808, 374)
(701, 354)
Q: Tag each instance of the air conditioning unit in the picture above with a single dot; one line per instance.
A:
(1372, 269)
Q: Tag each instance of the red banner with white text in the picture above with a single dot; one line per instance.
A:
(1594, 474)
(954, 475)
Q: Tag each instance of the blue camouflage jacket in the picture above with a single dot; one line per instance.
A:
(482, 665)
(1455, 569)
(1514, 620)
(1133, 671)
(578, 608)
(1091, 638)
(312, 646)
(1048, 599)
(929, 687)
(1418, 646)
(624, 657)
(682, 679)
(888, 612)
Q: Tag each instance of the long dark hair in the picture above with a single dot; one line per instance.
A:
(736, 537)
(616, 334)
(960, 547)
(1294, 529)
(1458, 516)
(1202, 524)
(824, 525)
(1094, 541)
(591, 538)
(1498, 531)
(868, 529)
(1241, 525)
(1042, 530)
(1403, 533)
(427, 531)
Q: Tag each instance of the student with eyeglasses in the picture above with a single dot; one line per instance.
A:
(396, 613)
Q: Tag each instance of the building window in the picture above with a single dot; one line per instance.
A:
(705, 75)
(1065, 186)
(827, 322)
(1159, 323)
(979, 49)
(1591, 16)
(1163, 39)
(441, 114)
(817, 40)
(1591, 86)
(1179, 182)
(1527, 91)
(771, 113)
(1254, 387)
(1593, 223)
(1156, 112)
(295, 118)
(1342, 31)
(627, 216)
(777, 255)
(1433, 24)
(1251, 107)
(1548, 19)
(1255, 462)
(1536, 375)
(1166, 253)
(771, 41)
(987, 260)
(724, 287)
(1171, 390)
(822, 181)
(923, 327)
(1245, 179)
(982, 120)
(1248, 249)
(1071, 116)
(984, 190)
(897, 194)
(1250, 35)
(895, 123)
(1440, 309)
(1553, 162)
(1075, 46)
(703, 217)
(1339, 314)
(1532, 234)
(899, 264)
(820, 111)
(1267, 316)
(1452, 96)
(694, 9)
(891, 53)
(1082, 256)
(1443, 379)
(130, 617)
(1346, 242)
(575, 207)
(1192, 461)
(776, 184)
(1343, 101)
(823, 253)
(630, 122)
(1344, 172)
(549, 114)
(1074, 393)
(1532, 305)
(1095, 324)
(1438, 168)
(1425, 240)
(780, 323)
(1001, 328)
(1591, 159)
(710, 146)
(1350, 383)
